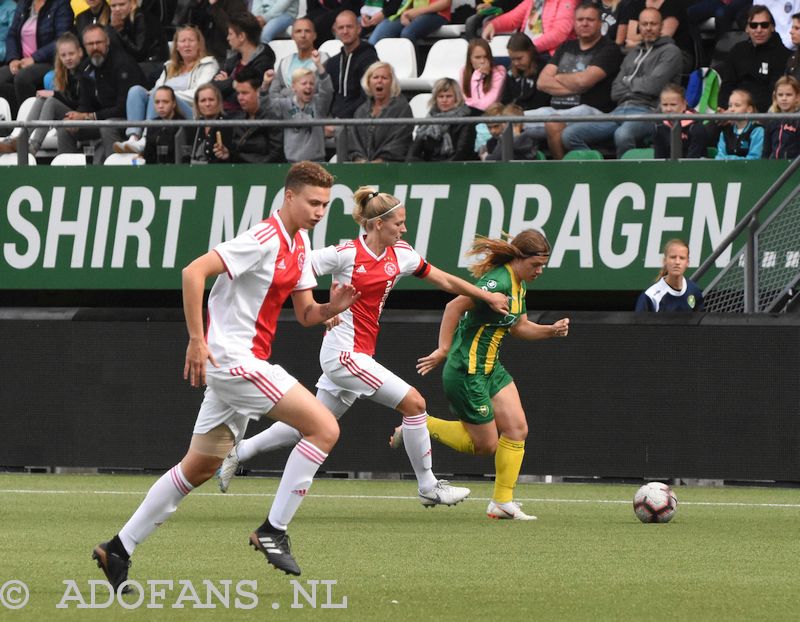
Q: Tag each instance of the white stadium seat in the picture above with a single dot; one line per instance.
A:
(69, 159)
(446, 59)
(123, 159)
(499, 45)
(22, 114)
(331, 47)
(401, 55)
(420, 105)
(10, 159)
(282, 47)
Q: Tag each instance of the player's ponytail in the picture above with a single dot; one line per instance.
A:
(494, 252)
(371, 205)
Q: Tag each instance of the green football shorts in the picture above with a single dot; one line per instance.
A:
(470, 395)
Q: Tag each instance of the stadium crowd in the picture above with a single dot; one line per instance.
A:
(88, 59)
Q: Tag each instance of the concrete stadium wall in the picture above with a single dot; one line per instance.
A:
(640, 396)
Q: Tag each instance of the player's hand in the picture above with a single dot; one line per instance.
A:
(197, 353)
(342, 296)
(431, 362)
(332, 322)
(560, 328)
(498, 303)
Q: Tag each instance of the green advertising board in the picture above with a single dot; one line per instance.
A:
(136, 227)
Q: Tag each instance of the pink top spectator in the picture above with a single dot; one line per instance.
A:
(28, 37)
(558, 20)
(480, 99)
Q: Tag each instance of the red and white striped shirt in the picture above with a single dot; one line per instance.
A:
(264, 266)
(373, 276)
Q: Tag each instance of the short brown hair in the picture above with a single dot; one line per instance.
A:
(307, 173)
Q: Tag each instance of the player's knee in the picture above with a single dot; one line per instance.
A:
(413, 403)
(328, 434)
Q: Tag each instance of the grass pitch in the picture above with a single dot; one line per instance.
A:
(729, 554)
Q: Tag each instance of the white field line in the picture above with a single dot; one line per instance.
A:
(22, 491)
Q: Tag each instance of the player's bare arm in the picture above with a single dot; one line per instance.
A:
(194, 283)
(309, 312)
(452, 314)
(531, 331)
(445, 281)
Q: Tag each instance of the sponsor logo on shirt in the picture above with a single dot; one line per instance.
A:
(281, 265)
(691, 301)
(361, 269)
(491, 283)
(301, 259)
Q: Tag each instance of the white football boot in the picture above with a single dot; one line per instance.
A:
(510, 510)
(228, 470)
(443, 494)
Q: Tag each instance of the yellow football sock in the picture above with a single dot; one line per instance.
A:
(507, 463)
(451, 433)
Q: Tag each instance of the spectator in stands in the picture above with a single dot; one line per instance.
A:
(304, 36)
(140, 35)
(485, 11)
(793, 64)
(413, 20)
(7, 10)
(252, 144)
(159, 147)
(524, 146)
(97, 13)
(481, 78)
(726, 13)
(577, 78)
(672, 291)
(445, 143)
(782, 136)
(674, 24)
(244, 34)
(782, 11)
(163, 11)
(189, 66)
(520, 85)
(380, 143)
(311, 99)
(485, 132)
(104, 85)
(54, 105)
(609, 18)
(211, 17)
(31, 47)
(348, 67)
(210, 143)
(741, 139)
(694, 138)
(323, 13)
(274, 17)
(645, 71)
(549, 23)
(756, 64)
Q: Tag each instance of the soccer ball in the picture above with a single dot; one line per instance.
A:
(655, 503)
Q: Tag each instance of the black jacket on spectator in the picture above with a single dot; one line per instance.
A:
(203, 145)
(743, 69)
(256, 145)
(162, 136)
(323, 13)
(212, 20)
(104, 89)
(55, 18)
(694, 140)
(263, 59)
(162, 10)
(143, 38)
(70, 96)
(782, 140)
(347, 92)
(522, 91)
(85, 18)
(524, 147)
(444, 143)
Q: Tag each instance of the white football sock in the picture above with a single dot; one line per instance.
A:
(298, 474)
(160, 503)
(274, 437)
(417, 441)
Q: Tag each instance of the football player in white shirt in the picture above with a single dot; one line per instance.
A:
(372, 263)
(255, 273)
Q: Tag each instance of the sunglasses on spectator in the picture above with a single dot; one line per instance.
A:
(755, 25)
